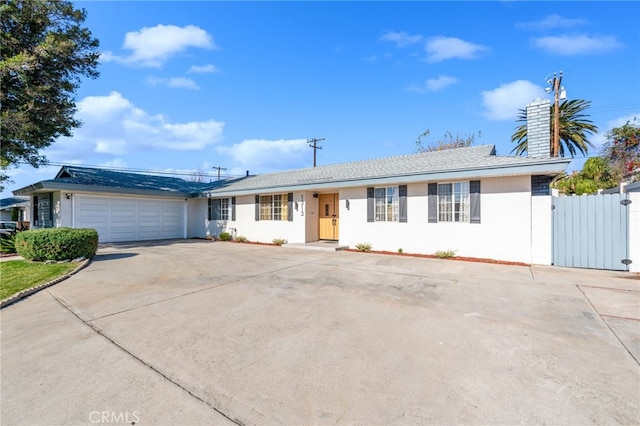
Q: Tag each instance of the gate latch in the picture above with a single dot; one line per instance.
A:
(625, 202)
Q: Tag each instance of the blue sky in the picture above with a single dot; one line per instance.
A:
(188, 86)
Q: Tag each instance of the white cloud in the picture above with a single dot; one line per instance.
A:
(152, 47)
(115, 163)
(570, 45)
(114, 126)
(442, 48)
(203, 69)
(504, 102)
(173, 82)
(401, 39)
(433, 84)
(552, 21)
(260, 155)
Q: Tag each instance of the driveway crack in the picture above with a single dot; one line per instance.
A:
(143, 362)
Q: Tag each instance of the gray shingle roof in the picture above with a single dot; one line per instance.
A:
(457, 163)
(101, 180)
(7, 203)
(423, 164)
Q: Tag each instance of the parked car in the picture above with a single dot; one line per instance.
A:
(7, 228)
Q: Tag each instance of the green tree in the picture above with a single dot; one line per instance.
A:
(575, 128)
(595, 174)
(449, 141)
(44, 54)
(622, 151)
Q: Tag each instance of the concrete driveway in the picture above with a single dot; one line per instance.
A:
(201, 333)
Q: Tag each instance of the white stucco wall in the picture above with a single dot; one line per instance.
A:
(504, 232)
(264, 231)
(541, 230)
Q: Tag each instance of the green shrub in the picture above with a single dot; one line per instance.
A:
(57, 243)
(8, 243)
(224, 236)
(279, 241)
(445, 254)
(363, 247)
(400, 251)
(15, 214)
(241, 239)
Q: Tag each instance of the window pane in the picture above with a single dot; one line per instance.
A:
(265, 207)
(445, 200)
(284, 207)
(224, 209)
(379, 195)
(392, 204)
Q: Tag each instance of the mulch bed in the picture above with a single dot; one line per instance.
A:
(432, 256)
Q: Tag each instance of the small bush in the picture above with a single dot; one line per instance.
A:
(363, 247)
(241, 239)
(279, 241)
(445, 254)
(400, 251)
(57, 243)
(8, 243)
(224, 236)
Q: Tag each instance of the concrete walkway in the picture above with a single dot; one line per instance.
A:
(196, 332)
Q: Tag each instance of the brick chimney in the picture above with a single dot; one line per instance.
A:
(539, 129)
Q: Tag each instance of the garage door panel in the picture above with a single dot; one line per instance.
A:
(129, 219)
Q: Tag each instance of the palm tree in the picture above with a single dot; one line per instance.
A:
(574, 129)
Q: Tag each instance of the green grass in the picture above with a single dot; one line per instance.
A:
(18, 275)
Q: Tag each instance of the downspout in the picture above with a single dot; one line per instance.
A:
(185, 215)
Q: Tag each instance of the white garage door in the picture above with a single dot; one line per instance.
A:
(129, 219)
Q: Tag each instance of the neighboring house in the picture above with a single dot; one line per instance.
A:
(22, 204)
(468, 199)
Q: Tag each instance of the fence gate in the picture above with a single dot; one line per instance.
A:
(591, 231)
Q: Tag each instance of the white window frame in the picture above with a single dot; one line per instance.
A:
(225, 209)
(386, 203)
(274, 207)
(454, 202)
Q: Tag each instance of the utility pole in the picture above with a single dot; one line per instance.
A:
(313, 143)
(558, 93)
(219, 168)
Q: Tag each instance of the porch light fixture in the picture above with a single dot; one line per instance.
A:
(347, 203)
(67, 196)
(296, 204)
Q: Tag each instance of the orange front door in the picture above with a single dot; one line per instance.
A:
(329, 216)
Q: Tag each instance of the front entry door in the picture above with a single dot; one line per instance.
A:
(329, 216)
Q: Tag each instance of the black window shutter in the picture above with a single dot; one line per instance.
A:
(209, 209)
(432, 203)
(233, 208)
(403, 203)
(370, 205)
(474, 200)
(257, 208)
(290, 206)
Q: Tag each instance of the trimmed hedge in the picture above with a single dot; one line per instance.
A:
(57, 243)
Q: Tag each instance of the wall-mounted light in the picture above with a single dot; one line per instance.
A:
(68, 196)
(296, 205)
(347, 203)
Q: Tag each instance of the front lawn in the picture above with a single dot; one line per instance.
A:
(18, 275)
